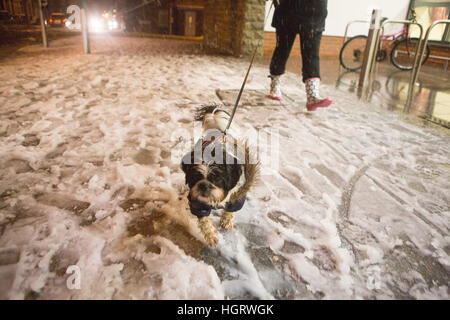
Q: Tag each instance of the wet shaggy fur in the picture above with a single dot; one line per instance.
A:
(251, 168)
(201, 112)
(219, 178)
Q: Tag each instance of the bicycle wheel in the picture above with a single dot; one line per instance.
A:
(404, 51)
(352, 53)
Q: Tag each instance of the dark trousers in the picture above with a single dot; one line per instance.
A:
(309, 46)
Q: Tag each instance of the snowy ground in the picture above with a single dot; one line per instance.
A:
(359, 207)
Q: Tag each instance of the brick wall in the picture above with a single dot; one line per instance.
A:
(439, 51)
(331, 46)
(236, 27)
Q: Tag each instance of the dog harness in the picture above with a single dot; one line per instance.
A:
(200, 209)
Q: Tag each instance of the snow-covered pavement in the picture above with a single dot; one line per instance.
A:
(359, 206)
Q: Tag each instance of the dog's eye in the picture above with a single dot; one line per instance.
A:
(215, 178)
(192, 177)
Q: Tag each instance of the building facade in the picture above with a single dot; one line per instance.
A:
(233, 27)
(19, 11)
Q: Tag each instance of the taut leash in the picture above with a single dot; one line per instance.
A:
(246, 76)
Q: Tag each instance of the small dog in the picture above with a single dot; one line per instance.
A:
(219, 172)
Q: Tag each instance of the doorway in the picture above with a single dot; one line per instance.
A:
(190, 23)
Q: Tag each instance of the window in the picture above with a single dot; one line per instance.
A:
(18, 9)
(163, 18)
(428, 11)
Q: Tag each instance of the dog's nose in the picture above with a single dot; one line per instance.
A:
(203, 186)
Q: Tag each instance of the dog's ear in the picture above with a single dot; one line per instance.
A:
(233, 175)
(188, 165)
(187, 162)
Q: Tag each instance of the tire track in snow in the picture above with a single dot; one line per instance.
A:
(347, 193)
(344, 209)
(403, 202)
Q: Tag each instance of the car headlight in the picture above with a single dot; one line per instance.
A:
(112, 24)
(96, 24)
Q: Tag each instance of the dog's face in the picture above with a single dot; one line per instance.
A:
(210, 183)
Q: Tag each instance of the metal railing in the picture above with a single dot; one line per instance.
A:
(418, 61)
(350, 23)
(408, 22)
(346, 33)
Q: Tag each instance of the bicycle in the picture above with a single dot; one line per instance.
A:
(402, 54)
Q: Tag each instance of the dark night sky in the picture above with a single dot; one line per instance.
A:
(101, 4)
(61, 5)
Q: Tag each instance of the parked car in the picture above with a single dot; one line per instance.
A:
(57, 19)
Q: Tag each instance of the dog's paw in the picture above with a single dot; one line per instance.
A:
(226, 220)
(212, 239)
(209, 231)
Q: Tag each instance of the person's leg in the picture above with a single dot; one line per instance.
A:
(285, 40)
(310, 45)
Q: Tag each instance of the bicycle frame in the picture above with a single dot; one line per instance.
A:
(393, 37)
(405, 29)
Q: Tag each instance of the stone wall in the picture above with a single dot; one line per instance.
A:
(253, 33)
(234, 27)
(223, 23)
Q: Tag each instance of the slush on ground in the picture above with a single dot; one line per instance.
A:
(357, 206)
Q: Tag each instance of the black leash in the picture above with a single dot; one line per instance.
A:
(246, 76)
